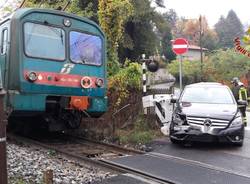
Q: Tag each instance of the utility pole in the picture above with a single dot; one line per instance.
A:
(3, 122)
(201, 49)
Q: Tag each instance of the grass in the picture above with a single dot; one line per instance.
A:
(142, 132)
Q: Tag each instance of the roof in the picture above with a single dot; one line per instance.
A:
(195, 47)
(205, 84)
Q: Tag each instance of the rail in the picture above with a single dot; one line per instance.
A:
(80, 149)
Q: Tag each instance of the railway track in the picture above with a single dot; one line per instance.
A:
(153, 167)
(98, 154)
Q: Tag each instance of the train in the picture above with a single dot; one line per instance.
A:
(53, 68)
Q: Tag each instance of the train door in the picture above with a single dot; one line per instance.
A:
(3, 53)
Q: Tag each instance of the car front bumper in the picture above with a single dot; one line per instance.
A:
(231, 134)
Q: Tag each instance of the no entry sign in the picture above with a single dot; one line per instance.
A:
(180, 46)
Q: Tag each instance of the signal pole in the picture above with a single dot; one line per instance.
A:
(3, 160)
(201, 50)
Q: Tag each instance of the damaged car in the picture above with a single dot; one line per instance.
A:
(207, 112)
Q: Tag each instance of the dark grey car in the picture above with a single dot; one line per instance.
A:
(207, 112)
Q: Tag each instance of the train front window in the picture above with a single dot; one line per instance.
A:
(85, 48)
(43, 41)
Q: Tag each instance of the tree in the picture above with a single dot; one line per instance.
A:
(171, 17)
(190, 29)
(235, 25)
(228, 29)
(222, 32)
(159, 3)
(179, 27)
(112, 15)
(146, 32)
(163, 31)
(210, 40)
(87, 8)
(140, 37)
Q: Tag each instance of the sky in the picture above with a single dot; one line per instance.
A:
(212, 9)
(7, 3)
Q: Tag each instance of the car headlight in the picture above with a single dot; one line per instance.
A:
(237, 122)
(177, 119)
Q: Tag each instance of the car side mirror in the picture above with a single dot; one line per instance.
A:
(242, 102)
(173, 100)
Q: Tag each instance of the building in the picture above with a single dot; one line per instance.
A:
(194, 53)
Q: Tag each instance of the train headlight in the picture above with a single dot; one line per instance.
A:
(32, 76)
(99, 82)
(67, 22)
(86, 82)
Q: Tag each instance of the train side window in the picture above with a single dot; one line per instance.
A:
(4, 41)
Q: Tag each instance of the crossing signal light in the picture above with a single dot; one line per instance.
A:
(152, 65)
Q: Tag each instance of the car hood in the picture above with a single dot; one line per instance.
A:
(218, 111)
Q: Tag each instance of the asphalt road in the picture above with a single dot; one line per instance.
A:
(195, 164)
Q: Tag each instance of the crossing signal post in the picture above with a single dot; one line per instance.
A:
(3, 122)
(160, 102)
(147, 65)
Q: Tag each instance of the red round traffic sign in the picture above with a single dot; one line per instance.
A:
(180, 46)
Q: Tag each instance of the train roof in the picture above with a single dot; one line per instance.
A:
(20, 13)
(206, 84)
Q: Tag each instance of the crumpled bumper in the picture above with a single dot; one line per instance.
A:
(233, 135)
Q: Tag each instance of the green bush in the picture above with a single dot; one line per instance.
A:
(141, 133)
(126, 79)
(221, 65)
(190, 71)
(141, 137)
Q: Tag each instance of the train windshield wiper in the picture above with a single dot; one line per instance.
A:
(61, 36)
(56, 31)
(82, 59)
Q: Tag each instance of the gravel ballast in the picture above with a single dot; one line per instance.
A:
(29, 162)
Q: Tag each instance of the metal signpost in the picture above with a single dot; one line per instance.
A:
(3, 160)
(180, 46)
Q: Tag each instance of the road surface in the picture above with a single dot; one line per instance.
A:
(193, 164)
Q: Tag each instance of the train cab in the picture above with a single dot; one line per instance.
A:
(53, 65)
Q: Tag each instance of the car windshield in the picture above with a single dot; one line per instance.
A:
(85, 48)
(212, 95)
(43, 41)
